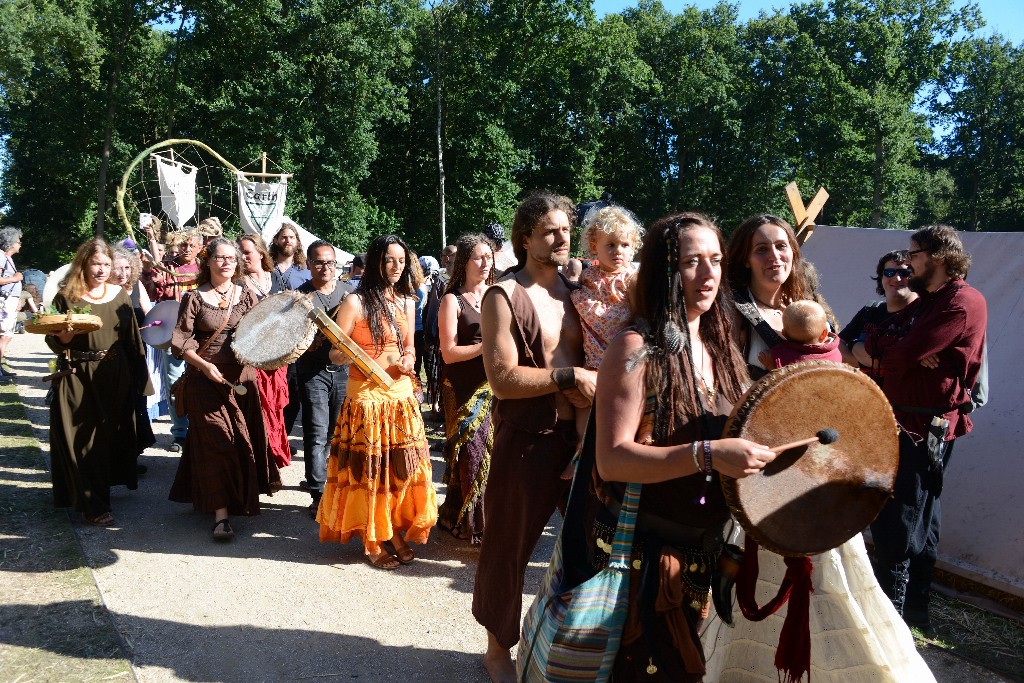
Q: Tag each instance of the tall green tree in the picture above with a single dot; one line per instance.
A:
(983, 105)
(883, 54)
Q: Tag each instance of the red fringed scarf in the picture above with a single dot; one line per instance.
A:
(793, 655)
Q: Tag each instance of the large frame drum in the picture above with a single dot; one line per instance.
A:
(274, 332)
(814, 498)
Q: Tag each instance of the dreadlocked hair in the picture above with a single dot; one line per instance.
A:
(374, 289)
(659, 315)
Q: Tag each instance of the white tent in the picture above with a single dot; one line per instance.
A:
(982, 524)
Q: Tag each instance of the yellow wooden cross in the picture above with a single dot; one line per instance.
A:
(804, 216)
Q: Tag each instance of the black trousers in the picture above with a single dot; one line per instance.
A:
(906, 532)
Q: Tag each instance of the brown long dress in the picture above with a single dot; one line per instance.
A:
(93, 443)
(226, 462)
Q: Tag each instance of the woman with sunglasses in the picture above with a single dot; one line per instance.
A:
(893, 278)
(226, 463)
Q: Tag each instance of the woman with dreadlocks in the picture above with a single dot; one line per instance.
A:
(378, 474)
(666, 386)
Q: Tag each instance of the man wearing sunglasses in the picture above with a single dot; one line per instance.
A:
(931, 356)
(321, 383)
(892, 276)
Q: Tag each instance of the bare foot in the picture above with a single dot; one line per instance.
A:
(498, 662)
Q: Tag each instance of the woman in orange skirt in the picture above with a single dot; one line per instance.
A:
(379, 483)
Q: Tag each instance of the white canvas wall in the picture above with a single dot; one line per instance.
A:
(983, 518)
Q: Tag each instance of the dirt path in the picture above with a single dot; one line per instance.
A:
(275, 604)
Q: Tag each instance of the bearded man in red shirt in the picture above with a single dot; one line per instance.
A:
(931, 357)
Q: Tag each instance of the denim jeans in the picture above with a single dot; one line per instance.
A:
(175, 369)
(322, 394)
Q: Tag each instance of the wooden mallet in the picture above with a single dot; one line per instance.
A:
(825, 436)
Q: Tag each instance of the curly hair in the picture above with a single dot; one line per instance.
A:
(374, 288)
(206, 255)
(134, 262)
(660, 304)
(610, 220)
(9, 236)
(74, 286)
(464, 249)
(900, 256)
(740, 245)
(943, 244)
(529, 214)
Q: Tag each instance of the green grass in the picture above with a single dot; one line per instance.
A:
(53, 626)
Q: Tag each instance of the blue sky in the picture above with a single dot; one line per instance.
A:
(1003, 16)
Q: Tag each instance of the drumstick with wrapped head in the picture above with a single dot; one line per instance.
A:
(825, 436)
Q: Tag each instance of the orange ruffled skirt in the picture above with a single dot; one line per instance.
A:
(379, 478)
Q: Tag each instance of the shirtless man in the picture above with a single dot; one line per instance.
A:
(533, 355)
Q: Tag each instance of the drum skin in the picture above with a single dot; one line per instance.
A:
(159, 336)
(274, 332)
(814, 498)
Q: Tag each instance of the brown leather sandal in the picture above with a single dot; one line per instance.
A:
(385, 561)
(102, 519)
(405, 555)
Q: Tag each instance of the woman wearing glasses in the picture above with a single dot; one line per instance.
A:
(226, 463)
(893, 278)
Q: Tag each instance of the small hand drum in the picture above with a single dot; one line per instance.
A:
(274, 332)
(813, 498)
(159, 323)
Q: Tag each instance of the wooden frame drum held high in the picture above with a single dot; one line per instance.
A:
(814, 498)
(274, 332)
(279, 329)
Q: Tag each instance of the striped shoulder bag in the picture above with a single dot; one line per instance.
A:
(573, 629)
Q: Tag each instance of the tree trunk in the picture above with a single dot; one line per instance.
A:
(309, 185)
(876, 193)
(440, 130)
(108, 133)
(101, 204)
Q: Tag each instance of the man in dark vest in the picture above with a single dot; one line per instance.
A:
(321, 383)
(533, 355)
(931, 356)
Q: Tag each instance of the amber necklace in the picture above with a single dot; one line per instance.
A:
(99, 298)
(224, 295)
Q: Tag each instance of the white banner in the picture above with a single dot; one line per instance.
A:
(177, 190)
(261, 205)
